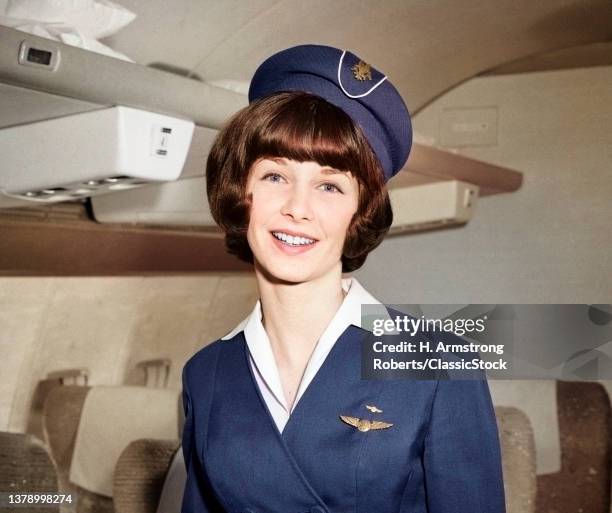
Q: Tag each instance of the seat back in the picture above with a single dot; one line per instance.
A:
(140, 475)
(26, 466)
(60, 421)
(518, 459)
(61, 415)
(583, 484)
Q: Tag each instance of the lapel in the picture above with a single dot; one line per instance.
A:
(316, 456)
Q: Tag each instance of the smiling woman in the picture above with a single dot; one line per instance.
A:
(278, 419)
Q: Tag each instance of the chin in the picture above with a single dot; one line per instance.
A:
(277, 271)
(288, 274)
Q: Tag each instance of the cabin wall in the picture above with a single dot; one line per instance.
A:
(550, 241)
(107, 325)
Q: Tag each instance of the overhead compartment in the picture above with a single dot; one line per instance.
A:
(75, 124)
(91, 153)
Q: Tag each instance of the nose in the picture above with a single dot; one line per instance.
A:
(298, 204)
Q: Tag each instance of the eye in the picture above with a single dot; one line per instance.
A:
(334, 187)
(272, 177)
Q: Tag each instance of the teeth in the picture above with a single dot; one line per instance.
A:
(289, 239)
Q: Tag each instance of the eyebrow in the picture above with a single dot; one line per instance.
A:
(324, 170)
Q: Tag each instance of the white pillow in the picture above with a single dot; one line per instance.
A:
(93, 18)
(58, 31)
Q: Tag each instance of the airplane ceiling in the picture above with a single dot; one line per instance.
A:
(425, 46)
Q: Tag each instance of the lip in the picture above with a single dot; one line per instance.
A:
(295, 234)
(291, 250)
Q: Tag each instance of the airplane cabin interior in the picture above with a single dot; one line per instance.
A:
(113, 272)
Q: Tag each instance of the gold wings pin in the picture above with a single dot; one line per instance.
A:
(365, 424)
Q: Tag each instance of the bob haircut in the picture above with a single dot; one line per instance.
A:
(303, 127)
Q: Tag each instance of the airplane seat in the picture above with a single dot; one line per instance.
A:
(518, 459)
(89, 427)
(53, 380)
(26, 466)
(583, 484)
(140, 475)
(61, 414)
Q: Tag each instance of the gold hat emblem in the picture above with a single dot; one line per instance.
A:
(362, 71)
(373, 408)
(365, 424)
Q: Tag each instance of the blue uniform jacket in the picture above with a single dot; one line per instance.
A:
(441, 455)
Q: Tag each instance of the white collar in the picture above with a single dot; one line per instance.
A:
(260, 349)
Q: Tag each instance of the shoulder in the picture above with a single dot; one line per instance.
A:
(202, 365)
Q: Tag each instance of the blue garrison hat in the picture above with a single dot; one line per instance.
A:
(343, 79)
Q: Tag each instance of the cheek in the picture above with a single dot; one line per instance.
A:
(261, 206)
(337, 220)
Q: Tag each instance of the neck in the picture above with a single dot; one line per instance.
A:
(295, 315)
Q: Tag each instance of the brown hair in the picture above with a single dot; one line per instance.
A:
(302, 127)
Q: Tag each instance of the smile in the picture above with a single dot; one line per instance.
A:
(293, 241)
(292, 245)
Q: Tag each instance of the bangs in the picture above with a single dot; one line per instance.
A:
(305, 127)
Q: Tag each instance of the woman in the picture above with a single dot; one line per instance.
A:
(297, 182)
